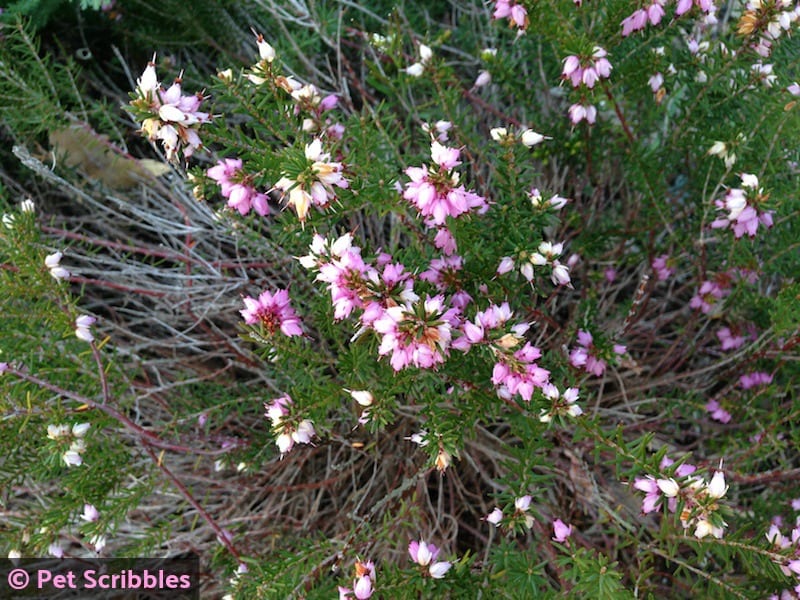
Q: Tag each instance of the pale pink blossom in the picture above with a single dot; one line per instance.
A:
(561, 531)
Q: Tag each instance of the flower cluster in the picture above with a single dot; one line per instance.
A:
(742, 205)
(663, 266)
(653, 13)
(555, 202)
(365, 399)
(71, 438)
(424, 555)
(53, 263)
(418, 68)
(546, 255)
(168, 115)
(589, 357)
(717, 412)
(82, 328)
(730, 340)
(311, 103)
(272, 312)
(528, 137)
(755, 379)
(710, 293)
(786, 544)
(562, 404)
(418, 334)
(520, 515)
(587, 70)
(314, 183)
(512, 10)
(362, 584)
(435, 190)
(696, 497)
(287, 433)
(236, 186)
(768, 20)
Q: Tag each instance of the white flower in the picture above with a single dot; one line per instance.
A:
(284, 442)
(438, 570)
(56, 550)
(14, 554)
(749, 180)
(27, 206)
(522, 504)
(265, 51)
(419, 438)
(79, 429)
(558, 202)
(82, 325)
(495, 516)
(425, 53)
(415, 70)
(560, 274)
(56, 431)
(364, 398)
(304, 432)
(716, 487)
(73, 458)
(148, 82)
(99, 542)
(669, 487)
(52, 262)
(484, 78)
(498, 134)
(530, 138)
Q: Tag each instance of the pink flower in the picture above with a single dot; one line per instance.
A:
(728, 340)
(717, 412)
(272, 312)
(656, 81)
(561, 531)
(708, 296)
(754, 379)
(587, 356)
(742, 206)
(416, 335)
(435, 192)
(90, 513)
(445, 241)
(518, 373)
(581, 112)
(516, 13)
(652, 497)
(662, 266)
(422, 553)
(235, 186)
(348, 277)
(634, 22)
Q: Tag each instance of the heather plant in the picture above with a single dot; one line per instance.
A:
(480, 299)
